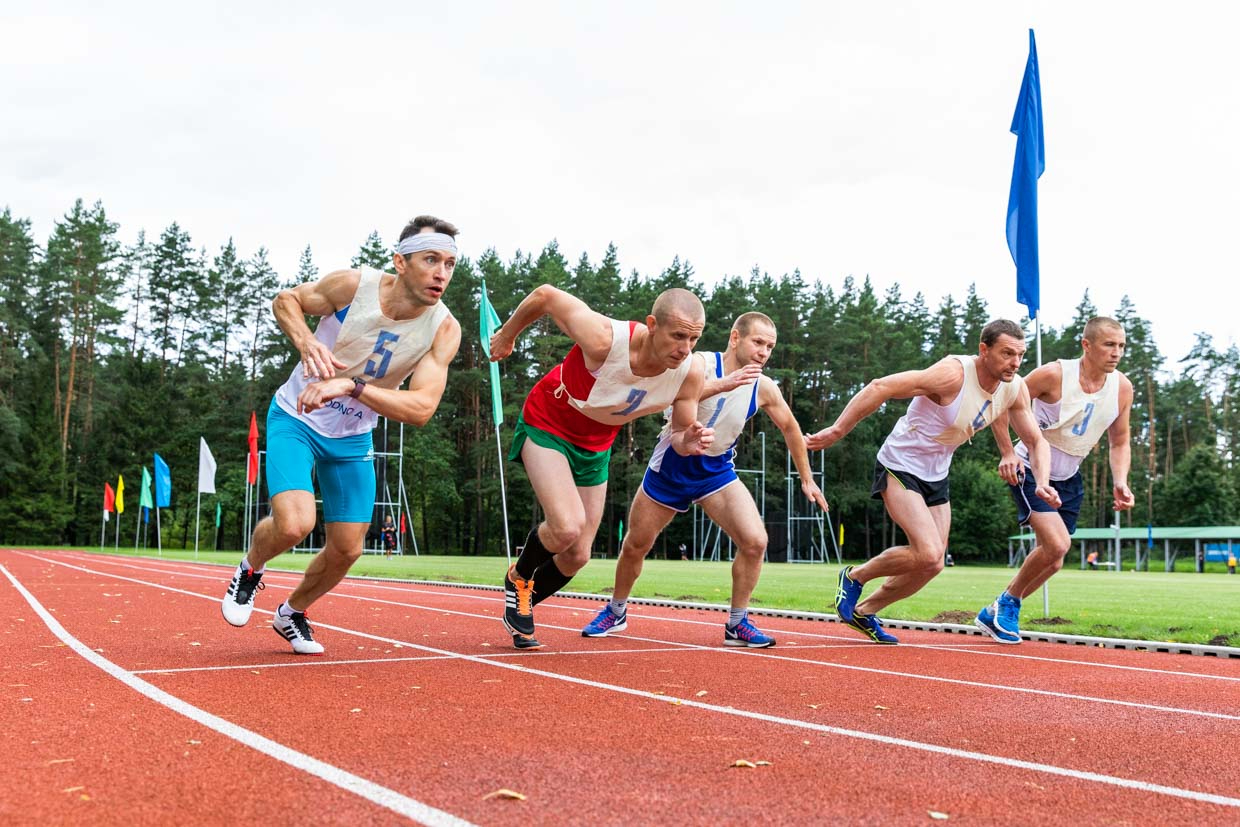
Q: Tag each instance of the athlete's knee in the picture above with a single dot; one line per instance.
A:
(572, 560)
(291, 525)
(559, 535)
(632, 551)
(930, 556)
(753, 545)
(1057, 548)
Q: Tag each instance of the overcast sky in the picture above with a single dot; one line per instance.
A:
(837, 138)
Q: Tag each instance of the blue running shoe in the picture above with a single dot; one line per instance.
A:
(847, 596)
(746, 634)
(1001, 619)
(606, 622)
(872, 628)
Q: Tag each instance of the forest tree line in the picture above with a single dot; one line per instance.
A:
(112, 351)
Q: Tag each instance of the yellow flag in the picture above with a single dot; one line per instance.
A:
(841, 535)
(120, 494)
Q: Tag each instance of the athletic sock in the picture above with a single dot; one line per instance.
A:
(245, 566)
(1010, 597)
(735, 616)
(286, 610)
(533, 556)
(618, 606)
(548, 579)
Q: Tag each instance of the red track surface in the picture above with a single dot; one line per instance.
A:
(420, 693)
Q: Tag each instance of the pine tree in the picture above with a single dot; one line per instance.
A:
(373, 253)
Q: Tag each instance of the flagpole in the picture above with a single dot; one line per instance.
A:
(197, 519)
(103, 527)
(503, 494)
(159, 538)
(117, 539)
(136, 528)
(245, 521)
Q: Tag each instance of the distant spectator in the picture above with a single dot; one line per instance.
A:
(389, 536)
(1092, 559)
(685, 556)
(1231, 563)
(947, 559)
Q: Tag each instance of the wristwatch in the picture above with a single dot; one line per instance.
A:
(358, 384)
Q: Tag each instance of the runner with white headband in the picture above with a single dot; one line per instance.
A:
(375, 331)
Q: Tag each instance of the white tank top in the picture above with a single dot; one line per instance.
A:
(617, 395)
(1075, 423)
(380, 350)
(726, 412)
(923, 441)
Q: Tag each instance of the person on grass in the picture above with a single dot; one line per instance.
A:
(952, 400)
(672, 483)
(375, 330)
(615, 372)
(1075, 402)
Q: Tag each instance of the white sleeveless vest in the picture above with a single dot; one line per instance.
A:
(1075, 423)
(726, 412)
(380, 350)
(618, 396)
(923, 441)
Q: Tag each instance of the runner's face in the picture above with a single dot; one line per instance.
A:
(1003, 358)
(426, 273)
(1107, 348)
(754, 348)
(673, 341)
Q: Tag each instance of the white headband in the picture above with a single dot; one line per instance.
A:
(427, 241)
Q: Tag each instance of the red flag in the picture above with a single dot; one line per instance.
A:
(109, 498)
(251, 465)
(402, 522)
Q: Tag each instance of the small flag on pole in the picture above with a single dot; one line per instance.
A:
(251, 464)
(1022, 210)
(841, 535)
(206, 468)
(217, 514)
(109, 500)
(144, 495)
(488, 323)
(163, 483)
(120, 493)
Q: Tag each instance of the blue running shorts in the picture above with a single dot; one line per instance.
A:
(1071, 495)
(345, 466)
(682, 481)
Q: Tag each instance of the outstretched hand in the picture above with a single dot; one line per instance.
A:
(823, 439)
(696, 439)
(741, 376)
(501, 345)
(318, 361)
(814, 494)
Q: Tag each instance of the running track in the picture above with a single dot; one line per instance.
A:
(128, 700)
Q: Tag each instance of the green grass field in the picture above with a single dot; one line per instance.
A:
(1181, 607)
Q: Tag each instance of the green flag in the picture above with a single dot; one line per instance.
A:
(620, 532)
(488, 323)
(217, 513)
(144, 498)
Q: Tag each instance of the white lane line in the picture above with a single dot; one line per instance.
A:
(759, 653)
(376, 794)
(985, 648)
(1009, 763)
(306, 662)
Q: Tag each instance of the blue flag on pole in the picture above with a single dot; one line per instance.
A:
(1022, 211)
(163, 483)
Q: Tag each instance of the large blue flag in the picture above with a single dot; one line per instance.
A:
(1022, 211)
(163, 483)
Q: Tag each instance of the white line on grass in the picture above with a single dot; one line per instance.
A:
(1010, 763)
(376, 794)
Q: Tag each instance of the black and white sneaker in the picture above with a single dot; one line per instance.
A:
(296, 630)
(238, 603)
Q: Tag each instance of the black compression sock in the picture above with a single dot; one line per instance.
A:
(548, 580)
(533, 555)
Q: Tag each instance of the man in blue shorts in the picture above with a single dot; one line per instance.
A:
(733, 392)
(1075, 402)
(375, 330)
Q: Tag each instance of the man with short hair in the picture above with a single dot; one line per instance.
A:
(615, 372)
(952, 400)
(1075, 402)
(375, 330)
(672, 483)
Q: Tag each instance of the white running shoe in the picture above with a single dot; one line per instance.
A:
(296, 630)
(238, 603)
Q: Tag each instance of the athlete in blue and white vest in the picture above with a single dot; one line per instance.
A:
(952, 400)
(734, 391)
(1075, 401)
(375, 331)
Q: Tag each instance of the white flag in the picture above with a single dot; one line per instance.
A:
(206, 468)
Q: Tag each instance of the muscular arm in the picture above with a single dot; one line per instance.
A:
(1121, 449)
(1041, 383)
(573, 316)
(315, 298)
(1026, 427)
(418, 402)
(742, 376)
(942, 379)
(772, 401)
(690, 437)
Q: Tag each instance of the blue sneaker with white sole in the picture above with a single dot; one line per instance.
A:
(746, 634)
(872, 627)
(606, 622)
(1001, 619)
(847, 595)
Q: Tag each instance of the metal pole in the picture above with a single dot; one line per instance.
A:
(197, 520)
(503, 494)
